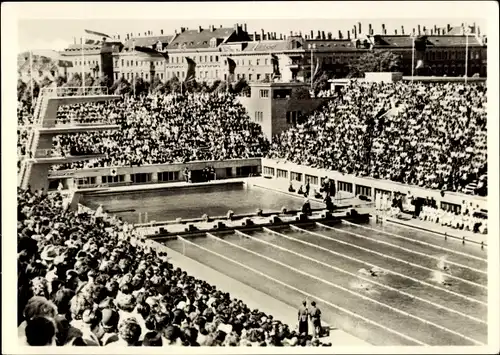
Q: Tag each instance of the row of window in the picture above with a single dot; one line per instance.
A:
(135, 178)
(292, 117)
(168, 60)
(85, 62)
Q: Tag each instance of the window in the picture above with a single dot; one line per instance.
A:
(258, 77)
(146, 76)
(263, 93)
(86, 181)
(139, 178)
(268, 77)
(291, 117)
(268, 171)
(295, 176)
(225, 76)
(116, 76)
(313, 180)
(216, 58)
(257, 61)
(265, 61)
(206, 59)
(168, 176)
(345, 186)
(238, 76)
(243, 62)
(282, 174)
(113, 179)
(249, 77)
(116, 63)
(249, 62)
(363, 190)
(259, 116)
(243, 76)
(216, 73)
(211, 58)
(136, 63)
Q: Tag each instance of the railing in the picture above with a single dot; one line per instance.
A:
(75, 91)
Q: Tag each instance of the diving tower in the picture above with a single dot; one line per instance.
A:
(39, 153)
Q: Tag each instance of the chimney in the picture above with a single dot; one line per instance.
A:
(261, 34)
(81, 39)
(161, 31)
(340, 34)
(432, 31)
(237, 28)
(307, 36)
(348, 34)
(418, 27)
(435, 29)
(478, 31)
(396, 32)
(200, 29)
(413, 31)
(139, 34)
(402, 30)
(323, 37)
(284, 37)
(269, 37)
(359, 27)
(312, 34)
(354, 32)
(319, 35)
(383, 28)
(274, 35)
(254, 35)
(145, 34)
(425, 30)
(245, 27)
(370, 29)
(330, 35)
(175, 32)
(118, 37)
(291, 33)
(281, 36)
(448, 28)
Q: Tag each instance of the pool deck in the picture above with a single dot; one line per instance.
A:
(435, 228)
(253, 298)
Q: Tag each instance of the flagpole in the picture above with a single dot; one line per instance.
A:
(31, 81)
(412, 57)
(466, 51)
(312, 64)
(133, 55)
(83, 70)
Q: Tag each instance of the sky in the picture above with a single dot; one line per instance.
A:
(55, 25)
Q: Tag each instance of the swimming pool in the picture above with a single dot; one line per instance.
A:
(410, 301)
(192, 202)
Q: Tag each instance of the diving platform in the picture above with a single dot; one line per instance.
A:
(35, 167)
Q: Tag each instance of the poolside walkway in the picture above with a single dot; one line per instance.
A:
(253, 298)
(468, 236)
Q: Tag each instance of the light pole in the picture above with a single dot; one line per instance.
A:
(466, 31)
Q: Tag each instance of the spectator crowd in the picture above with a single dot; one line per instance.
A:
(158, 129)
(431, 135)
(87, 279)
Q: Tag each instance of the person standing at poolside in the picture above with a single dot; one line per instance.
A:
(303, 319)
(316, 320)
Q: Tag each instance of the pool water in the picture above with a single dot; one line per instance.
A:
(192, 202)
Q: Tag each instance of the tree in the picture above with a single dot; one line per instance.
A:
(121, 86)
(141, 86)
(75, 81)
(89, 80)
(173, 85)
(383, 61)
(45, 82)
(240, 86)
(321, 83)
(103, 80)
(60, 81)
(21, 89)
(301, 93)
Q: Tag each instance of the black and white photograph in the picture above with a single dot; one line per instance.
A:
(317, 175)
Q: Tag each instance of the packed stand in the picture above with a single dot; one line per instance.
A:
(430, 135)
(157, 129)
(85, 279)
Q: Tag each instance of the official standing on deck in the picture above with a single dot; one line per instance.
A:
(316, 320)
(303, 319)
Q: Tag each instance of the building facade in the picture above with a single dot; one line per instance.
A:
(440, 51)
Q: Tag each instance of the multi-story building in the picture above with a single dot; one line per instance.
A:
(437, 51)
